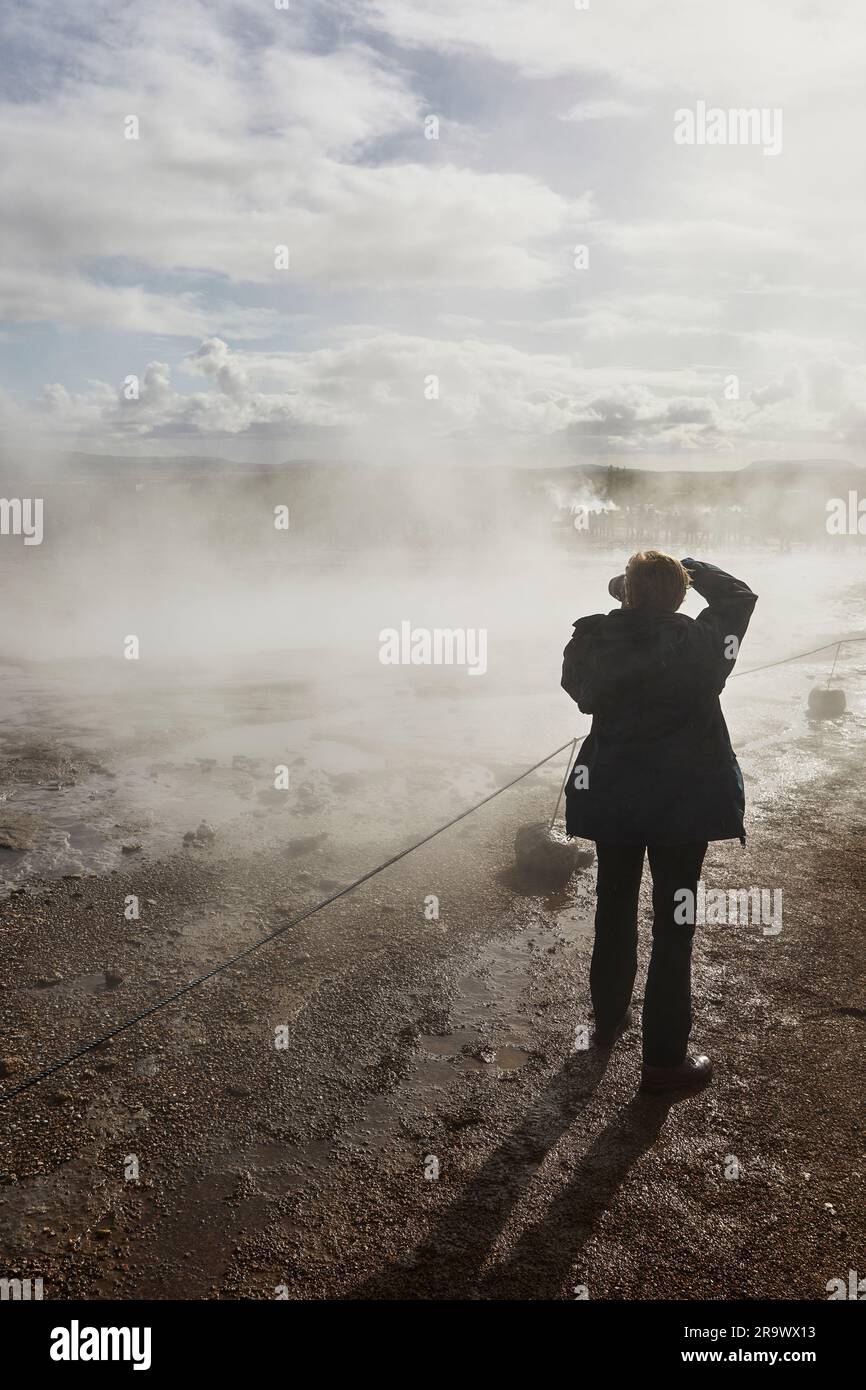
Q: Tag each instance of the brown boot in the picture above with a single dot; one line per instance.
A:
(690, 1075)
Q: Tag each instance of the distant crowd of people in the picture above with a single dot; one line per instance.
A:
(644, 523)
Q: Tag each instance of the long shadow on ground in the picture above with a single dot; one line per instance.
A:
(449, 1264)
(541, 1263)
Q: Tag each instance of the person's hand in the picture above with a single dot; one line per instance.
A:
(616, 588)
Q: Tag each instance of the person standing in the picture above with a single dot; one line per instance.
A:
(657, 775)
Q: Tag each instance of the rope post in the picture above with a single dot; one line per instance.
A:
(564, 780)
(833, 667)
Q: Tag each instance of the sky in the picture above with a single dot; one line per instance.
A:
(430, 303)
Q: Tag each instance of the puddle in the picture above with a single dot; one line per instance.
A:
(576, 924)
(102, 983)
(376, 1128)
(465, 1048)
(492, 1017)
(278, 1169)
(106, 1116)
(209, 1218)
(42, 1208)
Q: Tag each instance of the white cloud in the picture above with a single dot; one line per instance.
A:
(372, 391)
(603, 109)
(718, 49)
(32, 294)
(260, 128)
(238, 154)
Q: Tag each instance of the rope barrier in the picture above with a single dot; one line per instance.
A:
(42, 1075)
(783, 661)
(264, 940)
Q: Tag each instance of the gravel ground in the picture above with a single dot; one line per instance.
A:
(428, 1128)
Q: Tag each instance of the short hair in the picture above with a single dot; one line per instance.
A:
(655, 580)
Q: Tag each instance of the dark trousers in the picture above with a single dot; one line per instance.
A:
(667, 1008)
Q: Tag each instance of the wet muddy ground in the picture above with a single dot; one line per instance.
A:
(385, 1102)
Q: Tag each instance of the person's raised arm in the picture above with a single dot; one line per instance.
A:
(730, 603)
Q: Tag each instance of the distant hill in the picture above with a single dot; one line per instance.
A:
(792, 466)
(78, 465)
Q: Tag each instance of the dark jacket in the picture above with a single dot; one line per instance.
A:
(660, 769)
